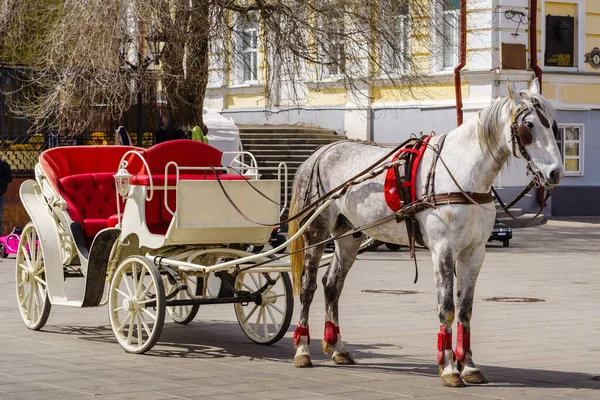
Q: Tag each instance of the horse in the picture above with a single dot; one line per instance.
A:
(473, 155)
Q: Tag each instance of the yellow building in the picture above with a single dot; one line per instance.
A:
(498, 49)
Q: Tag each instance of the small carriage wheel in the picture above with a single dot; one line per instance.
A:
(3, 252)
(183, 314)
(267, 322)
(136, 304)
(32, 289)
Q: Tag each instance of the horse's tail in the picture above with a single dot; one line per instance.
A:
(297, 255)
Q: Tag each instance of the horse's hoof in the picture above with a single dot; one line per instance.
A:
(452, 380)
(302, 361)
(343, 359)
(474, 377)
(326, 347)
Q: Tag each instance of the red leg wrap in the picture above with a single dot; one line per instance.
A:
(300, 331)
(444, 343)
(463, 342)
(331, 332)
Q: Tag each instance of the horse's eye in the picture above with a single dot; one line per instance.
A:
(529, 124)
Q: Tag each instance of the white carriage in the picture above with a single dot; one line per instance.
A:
(152, 232)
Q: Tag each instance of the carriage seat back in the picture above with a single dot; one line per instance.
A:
(83, 176)
(185, 153)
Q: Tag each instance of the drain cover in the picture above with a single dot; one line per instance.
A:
(391, 291)
(515, 300)
(103, 339)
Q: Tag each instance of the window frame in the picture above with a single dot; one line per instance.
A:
(438, 43)
(393, 63)
(562, 145)
(579, 55)
(243, 27)
(325, 73)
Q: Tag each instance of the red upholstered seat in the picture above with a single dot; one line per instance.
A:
(83, 176)
(159, 179)
(91, 200)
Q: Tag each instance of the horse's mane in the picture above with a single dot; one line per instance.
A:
(492, 119)
(490, 122)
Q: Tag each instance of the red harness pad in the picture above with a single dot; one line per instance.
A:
(390, 188)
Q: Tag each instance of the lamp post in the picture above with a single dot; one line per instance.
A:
(154, 40)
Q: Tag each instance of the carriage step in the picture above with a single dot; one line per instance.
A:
(524, 221)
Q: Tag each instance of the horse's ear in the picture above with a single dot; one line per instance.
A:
(535, 86)
(513, 93)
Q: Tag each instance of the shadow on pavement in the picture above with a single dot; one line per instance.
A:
(213, 339)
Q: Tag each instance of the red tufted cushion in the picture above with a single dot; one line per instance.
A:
(91, 200)
(186, 153)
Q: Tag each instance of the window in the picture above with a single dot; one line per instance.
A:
(395, 57)
(331, 42)
(246, 54)
(450, 31)
(570, 143)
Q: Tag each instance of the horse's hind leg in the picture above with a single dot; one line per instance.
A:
(312, 257)
(443, 266)
(469, 264)
(333, 282)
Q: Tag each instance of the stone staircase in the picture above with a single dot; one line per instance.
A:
(524, 220)
(272, 144)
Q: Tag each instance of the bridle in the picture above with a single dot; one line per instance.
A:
(521, 136)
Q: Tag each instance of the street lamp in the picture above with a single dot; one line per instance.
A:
(155, 45)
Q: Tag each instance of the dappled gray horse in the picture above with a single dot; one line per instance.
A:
(474, 153)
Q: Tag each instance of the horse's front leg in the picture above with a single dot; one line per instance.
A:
(469, 264)
(333, 282)
(312, 257)
(443, 267)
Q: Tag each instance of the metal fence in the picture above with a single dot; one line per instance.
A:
(22, 150)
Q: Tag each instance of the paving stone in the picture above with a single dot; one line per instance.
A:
(542, 350)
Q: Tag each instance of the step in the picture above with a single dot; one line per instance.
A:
(524, 221)
(283, 128)
(316, 142)
(514, 211)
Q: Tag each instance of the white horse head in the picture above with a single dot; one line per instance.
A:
(532, 134)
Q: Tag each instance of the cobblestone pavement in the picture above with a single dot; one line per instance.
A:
(528, 350)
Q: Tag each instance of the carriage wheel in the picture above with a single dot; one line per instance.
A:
(136, 304)
(267, 322)
(32, 293)
(183, 314)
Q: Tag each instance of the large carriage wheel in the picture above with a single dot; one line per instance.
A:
(32, 293)
(183, 314)
(267, 321)
(136, 304)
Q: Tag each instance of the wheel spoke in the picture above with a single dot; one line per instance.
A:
(256, 324)
(135, 279)
(140, 285)
(254, 280)
(139, 329)
(145, 324)
(122, 326)
(40, 280)
(265, 328)
(153, 316)
(124, 279)
(122, 293)
(146, 290)
(272, 318)
(250, 314)
(273, 306)
(130, 330)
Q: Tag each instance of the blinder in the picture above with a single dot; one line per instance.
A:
(525, 135)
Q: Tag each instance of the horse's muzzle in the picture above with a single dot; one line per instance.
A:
(554, 177)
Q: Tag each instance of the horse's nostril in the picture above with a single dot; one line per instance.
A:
(555, 175)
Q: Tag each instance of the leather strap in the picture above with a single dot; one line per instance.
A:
(461, 198)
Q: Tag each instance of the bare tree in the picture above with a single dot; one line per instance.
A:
(94, 53)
